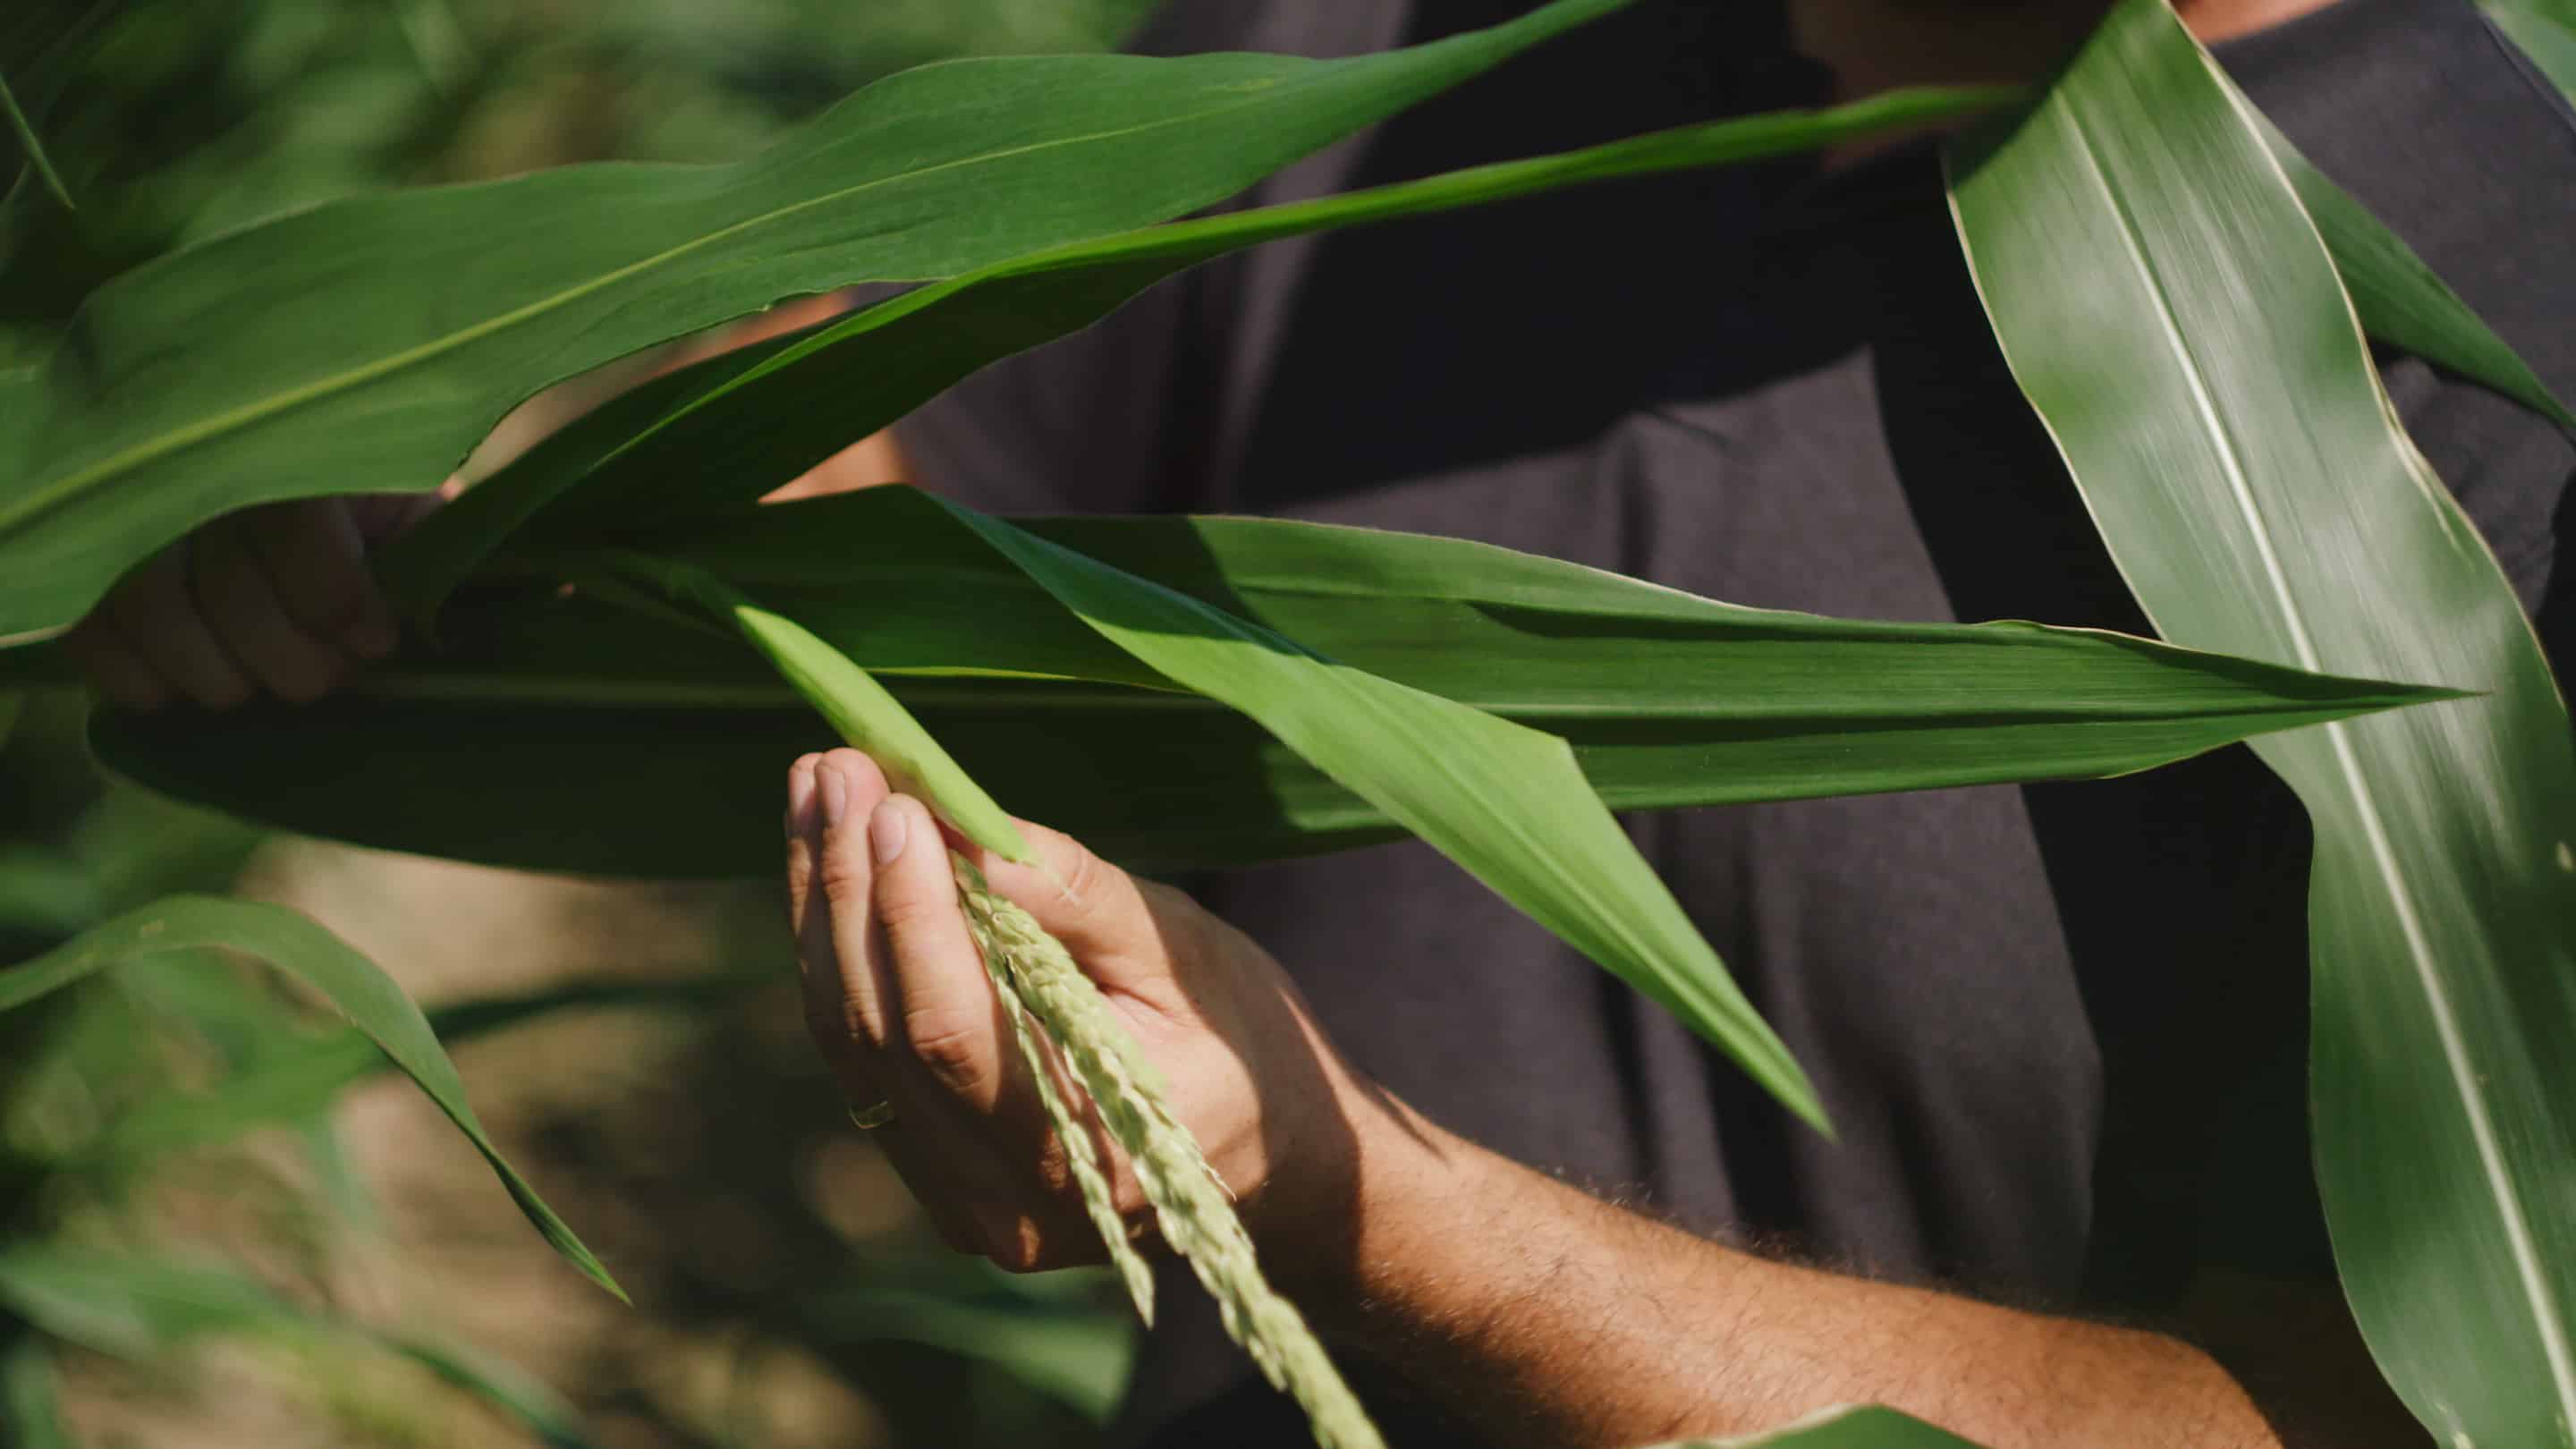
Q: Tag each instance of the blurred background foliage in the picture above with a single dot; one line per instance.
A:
(173, 120)
(220, 1222)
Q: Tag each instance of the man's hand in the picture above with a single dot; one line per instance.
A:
(1541, 1314)
(276, 598)
(900, 1004)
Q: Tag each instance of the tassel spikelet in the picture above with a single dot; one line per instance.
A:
(1036, 977)
(1082, 1152)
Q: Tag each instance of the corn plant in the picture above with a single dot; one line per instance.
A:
(1188, 691)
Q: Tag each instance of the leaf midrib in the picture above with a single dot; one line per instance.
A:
(2540, 1298)
(71, 485)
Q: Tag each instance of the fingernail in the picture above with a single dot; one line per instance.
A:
(835, 792)
(886, 831)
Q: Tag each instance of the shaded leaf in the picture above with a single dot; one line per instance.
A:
(1073, 1352)
(31, 1410)
(2255, 489)
(521, 740)
(356, 986)
(137, 1308)
(32, 146)
(733, 427)
(301, 1079)
(365, 344)
(858, 709)
(2544, 30)
(2399, 299)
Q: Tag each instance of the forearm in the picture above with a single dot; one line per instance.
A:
(1548, 1317)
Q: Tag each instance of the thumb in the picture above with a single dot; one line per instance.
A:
(1097, 910)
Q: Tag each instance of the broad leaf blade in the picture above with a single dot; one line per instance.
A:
(357, 987)
(858, 708)
(1506, 802)
(32, 145)
(733, 428)
(2544, 31)
(518, 742)
(301, 1079)
(367, 343)
(2251, 481)
(2399, 299)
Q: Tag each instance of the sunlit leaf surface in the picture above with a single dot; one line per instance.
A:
(2165, 303)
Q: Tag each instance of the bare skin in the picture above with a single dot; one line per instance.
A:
(1521, 1305)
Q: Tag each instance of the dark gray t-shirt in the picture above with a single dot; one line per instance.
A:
(2061, 1027)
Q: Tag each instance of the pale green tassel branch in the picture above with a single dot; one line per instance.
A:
(1082, 1152)
(1036, 976)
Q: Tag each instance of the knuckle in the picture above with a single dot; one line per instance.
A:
(219, 581)
(1084, 873)
(948, 1045)
(844, 879)
(903, 913)
(342, 606)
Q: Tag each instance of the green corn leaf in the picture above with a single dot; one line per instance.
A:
(356, 986)
(2544, 30)
(32, 145)
(124, 1307)
(139, 1308)
(1861, 1428)
(1070, 1351)
(2252, 482)
(298, 1080)
(732, 428)
(2399, 299)
(365, 344)
(519, 741)
(857, 707)
(31, 1410)
(1506, 802)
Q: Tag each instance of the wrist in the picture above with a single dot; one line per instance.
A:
(1393, 1178)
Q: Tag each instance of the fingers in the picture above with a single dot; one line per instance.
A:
(898, 1000)
(828, 898)
(313, 553)
(238, 599)
(155, 614)
(844, 1005)
(114, 665)
(947, 1014)
(278, 598)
